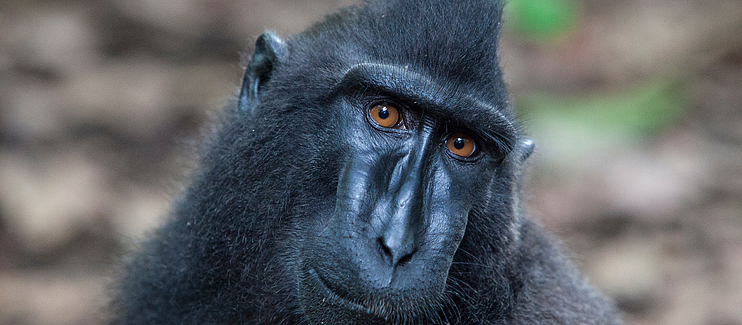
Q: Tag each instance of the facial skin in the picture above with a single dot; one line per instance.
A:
(404, 193)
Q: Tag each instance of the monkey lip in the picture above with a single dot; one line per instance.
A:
(320, 284)
(323, 304)
(378, 312)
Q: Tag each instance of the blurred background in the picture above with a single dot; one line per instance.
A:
(635, 106)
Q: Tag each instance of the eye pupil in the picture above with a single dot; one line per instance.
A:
(384, 113)
(459, 143)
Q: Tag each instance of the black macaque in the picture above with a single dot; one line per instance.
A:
(367, 173)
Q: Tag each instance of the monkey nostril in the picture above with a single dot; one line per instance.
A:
(384, 250)
(405, 259)
(389, 256)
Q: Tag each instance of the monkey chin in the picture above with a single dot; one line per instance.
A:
(322, 305)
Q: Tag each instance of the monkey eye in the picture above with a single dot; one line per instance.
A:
(385, 115)
(461, 145)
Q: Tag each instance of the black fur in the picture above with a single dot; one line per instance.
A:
(288, 219)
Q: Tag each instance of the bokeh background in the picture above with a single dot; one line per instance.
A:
(635, 106)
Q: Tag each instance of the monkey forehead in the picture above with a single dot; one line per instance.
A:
(451, 39)
(444, 101)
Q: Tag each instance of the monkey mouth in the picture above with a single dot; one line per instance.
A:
(319, 283)
(384, 309)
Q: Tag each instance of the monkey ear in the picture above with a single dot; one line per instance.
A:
(525, 148)
(270, 51)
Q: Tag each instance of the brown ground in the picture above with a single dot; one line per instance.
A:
(96, 98)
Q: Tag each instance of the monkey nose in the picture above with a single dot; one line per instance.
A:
(396, 251)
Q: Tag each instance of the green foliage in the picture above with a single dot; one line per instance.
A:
(541, 19)
(637, 112)
(567, 128)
